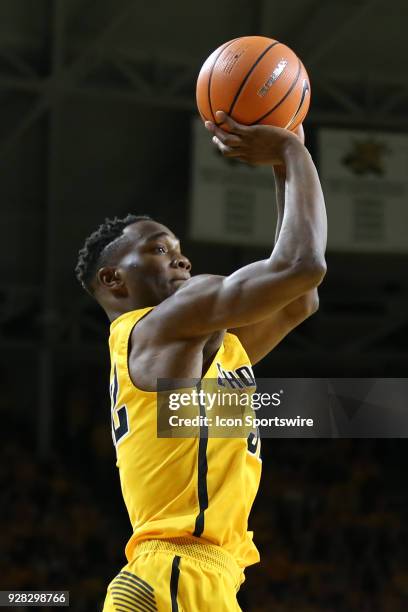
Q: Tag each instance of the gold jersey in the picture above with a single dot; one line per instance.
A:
(182, 487)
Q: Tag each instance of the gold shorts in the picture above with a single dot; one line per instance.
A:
(176, 575)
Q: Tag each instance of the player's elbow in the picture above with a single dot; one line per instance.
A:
(311, 271)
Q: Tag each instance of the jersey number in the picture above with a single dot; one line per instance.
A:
(119, 415)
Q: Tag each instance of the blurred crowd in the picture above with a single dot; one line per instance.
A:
(329, 520)
(55, 531)
(63, 524)
(331, 525)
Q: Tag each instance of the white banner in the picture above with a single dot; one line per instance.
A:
(231, 202)
(365, 182)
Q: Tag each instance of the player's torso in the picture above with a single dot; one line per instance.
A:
(183, 487)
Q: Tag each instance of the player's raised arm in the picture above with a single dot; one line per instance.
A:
(296, 265)
(261, 337)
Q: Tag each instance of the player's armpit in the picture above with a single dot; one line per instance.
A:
(260, 338)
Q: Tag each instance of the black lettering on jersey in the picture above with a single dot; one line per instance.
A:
(236, 379)
(246, 374)
(119, 415)
(114, 388)
(123, 427)
(253, 442)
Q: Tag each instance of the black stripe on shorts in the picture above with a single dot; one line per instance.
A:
(133, 593)
(175, 573)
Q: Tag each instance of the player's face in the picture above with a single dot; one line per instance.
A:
(152, 264)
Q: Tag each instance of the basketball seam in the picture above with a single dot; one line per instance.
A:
(250, 71)
(305, 89)
(211, 73)
(284, 97)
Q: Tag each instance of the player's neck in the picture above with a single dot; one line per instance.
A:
(114, 313)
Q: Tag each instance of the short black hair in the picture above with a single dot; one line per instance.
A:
(92, 253)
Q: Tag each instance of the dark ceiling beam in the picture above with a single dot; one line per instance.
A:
(67, 74)
(334, 35)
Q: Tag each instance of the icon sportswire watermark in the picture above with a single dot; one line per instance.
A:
(284, 407)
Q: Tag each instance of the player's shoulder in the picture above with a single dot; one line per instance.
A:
(188, 298)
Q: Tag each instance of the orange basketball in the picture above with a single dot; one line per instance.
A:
(255, 80)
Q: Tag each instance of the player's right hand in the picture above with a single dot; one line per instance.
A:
(253, 144)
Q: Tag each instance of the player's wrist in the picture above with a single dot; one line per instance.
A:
(279, 171)
(292, 147)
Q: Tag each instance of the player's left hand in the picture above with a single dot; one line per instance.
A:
(253, 144)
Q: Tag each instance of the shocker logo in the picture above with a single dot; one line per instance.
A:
(365, 157)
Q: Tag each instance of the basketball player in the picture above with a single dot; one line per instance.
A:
(189, 499)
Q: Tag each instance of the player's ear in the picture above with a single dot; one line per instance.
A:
(111, 278)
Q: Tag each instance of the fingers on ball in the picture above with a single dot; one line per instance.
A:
(231, 140)
(226, 150)
(233, 126)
